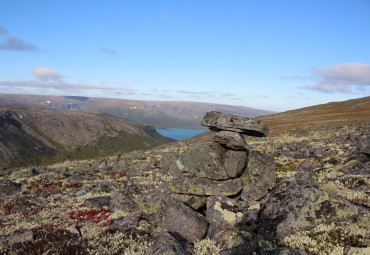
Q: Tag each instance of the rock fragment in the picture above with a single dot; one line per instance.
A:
(231, 140)
(181, 219)
(167, 244)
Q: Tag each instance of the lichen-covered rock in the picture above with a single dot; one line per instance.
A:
(221, 121)
(223, 210)
(167, 244)
(223, 214)
(234, 163)
(9, 187)
(261, 175)
(294, 206)
(205, 187)
(204, 160)
(247, 248)
(231, 140)
(194, 201)
(121, 201)
(124, 224)
(97, 201)
(150, 202)
(181, 219)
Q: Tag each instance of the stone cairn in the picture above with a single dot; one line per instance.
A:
(213, 178)
(226, 166)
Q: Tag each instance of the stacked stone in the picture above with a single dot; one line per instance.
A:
(209, 180)
(225, 166)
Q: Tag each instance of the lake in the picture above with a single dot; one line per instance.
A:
(180, 133)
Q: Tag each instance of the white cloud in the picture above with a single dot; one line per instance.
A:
(46, 74)
(341, 77)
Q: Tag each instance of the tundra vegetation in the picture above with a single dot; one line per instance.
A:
(315, 200)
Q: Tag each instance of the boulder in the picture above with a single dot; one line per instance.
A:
(204, 160)
(231, 140)
(294, 206)
(97, 201)
(122, 202)
(219, 121)
(181, 219)
(234, 163)
(124, 224)
(261, 173)
(205, 187)
(222, 214)
(167, 244)
(194, 201)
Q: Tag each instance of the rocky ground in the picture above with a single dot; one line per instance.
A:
(301, 193)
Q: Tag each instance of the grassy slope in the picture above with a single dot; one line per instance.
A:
(331, 114)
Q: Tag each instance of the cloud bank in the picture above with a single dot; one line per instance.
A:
(341, 77)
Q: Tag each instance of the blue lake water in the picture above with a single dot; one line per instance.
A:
(180, 133)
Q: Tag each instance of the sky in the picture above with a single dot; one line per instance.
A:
(269, 54)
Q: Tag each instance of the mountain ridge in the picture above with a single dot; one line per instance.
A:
(39, 136)
(160, 114)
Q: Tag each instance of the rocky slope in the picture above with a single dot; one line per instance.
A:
(35, 136)
(160, 114)
(306, 192)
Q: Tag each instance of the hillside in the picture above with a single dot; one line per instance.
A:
(160, 114)
(39, 136)
(332, 114)
(302, 193)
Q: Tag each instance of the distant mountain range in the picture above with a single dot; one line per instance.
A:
(30, 136)
(160, 114)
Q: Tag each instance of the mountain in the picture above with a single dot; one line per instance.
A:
(331, 114)
(39, 136)
(160, 114)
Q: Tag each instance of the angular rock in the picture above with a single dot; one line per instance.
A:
(169, 245)
(150, 202)
(294, 206)
(9, 187)
(221, 121)
(231, 140)
(195, 202)
(97, 201)
(222, 214)
(181, 219)
(121, 201)
(124, 224)
(205, 187)
(74, 231)
(248, 248)
(235, 162)
(204, 160)
(223, 210)
(261, 172)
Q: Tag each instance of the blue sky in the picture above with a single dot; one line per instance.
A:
(275, 55)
